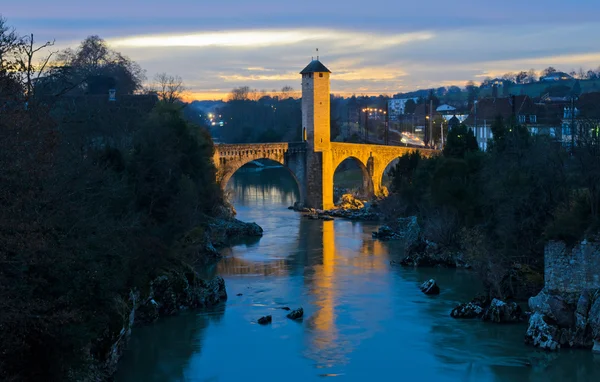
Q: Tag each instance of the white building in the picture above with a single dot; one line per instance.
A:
(397, 107)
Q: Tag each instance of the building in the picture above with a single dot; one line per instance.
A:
(397, 107)
(556, 76)
(487, 110)
(446, 110)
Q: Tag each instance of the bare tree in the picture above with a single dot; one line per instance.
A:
(26, 65)
(169, 88)
(532, 76)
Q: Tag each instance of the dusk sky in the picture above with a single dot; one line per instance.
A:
(387, 46)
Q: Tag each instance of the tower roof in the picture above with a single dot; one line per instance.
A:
(315, 66)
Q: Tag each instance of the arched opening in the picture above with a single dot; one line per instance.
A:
(352, 177)
(261, 183)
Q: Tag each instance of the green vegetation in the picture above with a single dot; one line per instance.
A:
(96, 200)
(500, 207)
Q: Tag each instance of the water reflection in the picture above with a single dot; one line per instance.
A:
(161, 352)
(260, 186)
(363, 317)
(324, 339)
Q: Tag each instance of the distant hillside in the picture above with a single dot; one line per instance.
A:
(206, 106)
(538, 89)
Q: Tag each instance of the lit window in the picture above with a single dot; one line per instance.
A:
(521, 119)
(533, 118)
(320, 74)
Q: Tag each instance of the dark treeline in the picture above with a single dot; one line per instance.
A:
(500, 207)
(257, 116)
(96, 199)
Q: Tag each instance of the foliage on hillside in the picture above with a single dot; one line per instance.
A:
(79, 229)
(94, 202)
(524, 191)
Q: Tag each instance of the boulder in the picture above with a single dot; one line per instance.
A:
(540, 333)
(349, 202)
(561, 312)
(296, 314)
(594, 320)
(503, 312)
(409, 229)
(298, 206)
(224, 232)
(430, 287)
(467, 310)
(385, 233)
(556, 309)
(472, 309)
(265, 320)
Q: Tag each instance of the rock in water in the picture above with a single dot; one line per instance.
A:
(296, 314)
(349, 202)
(385, 233)
(540, 334)
(265, 320)
(502, 312)
(467, 310)
(473, 309)
(430, 287)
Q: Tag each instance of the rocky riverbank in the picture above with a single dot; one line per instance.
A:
(566, 313)
(175, 290)
(348, 207)
(490, 310)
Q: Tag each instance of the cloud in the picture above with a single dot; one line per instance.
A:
(274, 37)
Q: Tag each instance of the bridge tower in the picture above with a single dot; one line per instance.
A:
(316, 134)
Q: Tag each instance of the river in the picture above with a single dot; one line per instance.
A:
(363, 318)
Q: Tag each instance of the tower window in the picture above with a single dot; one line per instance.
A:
(320, 74)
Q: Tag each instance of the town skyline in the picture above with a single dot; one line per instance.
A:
(371, 50)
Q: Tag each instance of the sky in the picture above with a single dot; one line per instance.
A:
(383, 47)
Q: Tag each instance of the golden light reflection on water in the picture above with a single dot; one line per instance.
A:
(323, 289)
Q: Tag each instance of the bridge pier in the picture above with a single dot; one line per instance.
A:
(319, 180)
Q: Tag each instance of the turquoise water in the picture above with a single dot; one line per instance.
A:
(364, 319)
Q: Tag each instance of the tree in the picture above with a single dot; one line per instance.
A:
(472, 93)
(410, 106)
(10, 45)
(521, 78)
(549, 70)
(93, 67)
(402, 173)
(510, 77)
(460, 141)
(169, 88)
(532, 76)
(26, 65)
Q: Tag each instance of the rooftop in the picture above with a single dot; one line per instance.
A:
(315, 66)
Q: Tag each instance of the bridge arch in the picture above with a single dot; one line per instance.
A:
(366, 182)
(232, 169)
(229, 158)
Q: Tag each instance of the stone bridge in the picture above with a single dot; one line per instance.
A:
(372, 160)
(313, 161)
